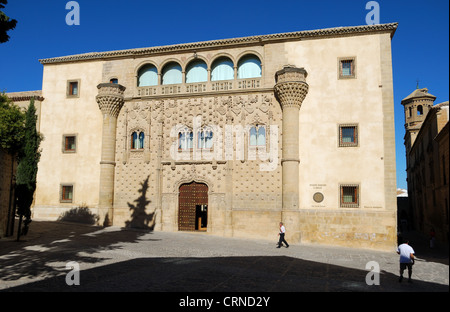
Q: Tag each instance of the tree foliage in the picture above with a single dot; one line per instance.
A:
(12, 125)
(6, 23)
(29, 156)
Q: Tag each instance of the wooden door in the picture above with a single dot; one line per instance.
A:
(190, 196)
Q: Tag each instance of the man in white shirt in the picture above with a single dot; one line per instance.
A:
(406, 253)
(281, 234)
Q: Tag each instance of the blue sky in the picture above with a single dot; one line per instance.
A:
(419, 48)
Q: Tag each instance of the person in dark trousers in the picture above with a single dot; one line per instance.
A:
(406, 253)
(281, 234)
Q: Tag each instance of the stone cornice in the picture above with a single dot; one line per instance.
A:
(262, 39)
(25, 96)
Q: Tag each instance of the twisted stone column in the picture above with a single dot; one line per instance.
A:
(110, 100)
(290, 90)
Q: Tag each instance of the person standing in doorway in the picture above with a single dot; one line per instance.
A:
(281, 234)
(406, 253)
(432, 237)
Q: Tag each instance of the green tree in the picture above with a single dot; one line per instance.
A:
(12, 130)
(29, 156)
(6, 23)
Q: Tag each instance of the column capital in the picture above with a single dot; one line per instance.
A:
(110, 98)
(291, 87)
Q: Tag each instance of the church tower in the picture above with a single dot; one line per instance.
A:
(417, 105)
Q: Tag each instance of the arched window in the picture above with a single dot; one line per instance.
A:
(185, 139)
(141, 140)
(205, 139)
(196, 71)
(147, 76)
(171, 74)
(419, 110)
(114, 80)
(222, 69)
(249, 66)
(137, 140)
(258, 135)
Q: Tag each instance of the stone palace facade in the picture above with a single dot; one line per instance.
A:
(228, 137)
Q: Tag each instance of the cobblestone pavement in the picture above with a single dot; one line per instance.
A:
(116, 259)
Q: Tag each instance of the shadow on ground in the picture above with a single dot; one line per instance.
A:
(45, 251)
(226, 274)
(58, 242)
(55, 242)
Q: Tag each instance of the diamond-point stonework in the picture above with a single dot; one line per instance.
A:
(110, 98)
(291, 87)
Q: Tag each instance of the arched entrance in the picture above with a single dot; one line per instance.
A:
(193, 207)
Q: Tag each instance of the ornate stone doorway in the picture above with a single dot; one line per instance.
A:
(193, 207)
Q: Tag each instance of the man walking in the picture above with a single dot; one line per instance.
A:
(281, 234)
(406, 253)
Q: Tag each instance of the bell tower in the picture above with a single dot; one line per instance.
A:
(417, 105)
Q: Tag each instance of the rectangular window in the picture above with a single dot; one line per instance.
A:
(66, 193)
(347, 68)
(349, 196)
(69, 143)
(348, 135)
(73, 88)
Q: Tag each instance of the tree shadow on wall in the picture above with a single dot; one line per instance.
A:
(80, 214)
(140, 219)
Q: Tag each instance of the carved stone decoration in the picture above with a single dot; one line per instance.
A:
(156, 105)
(253, 100)
(257, 120)
(132, 115)
(167, 110)
(193, 177)
(110, 98)
(251, 103)
(221, 110)
(173, 103)
(144, 112)
(291, 87)
(136, 106)
(236, 109)
(265, 104)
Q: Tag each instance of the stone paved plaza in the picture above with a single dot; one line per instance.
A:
(116, 259)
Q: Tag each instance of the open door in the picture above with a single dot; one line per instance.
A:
(193, 207)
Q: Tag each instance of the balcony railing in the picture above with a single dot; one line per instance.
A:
(199, 87)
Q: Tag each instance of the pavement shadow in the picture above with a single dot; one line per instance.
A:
(58, 243)
(226, 274)
(50, 242)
